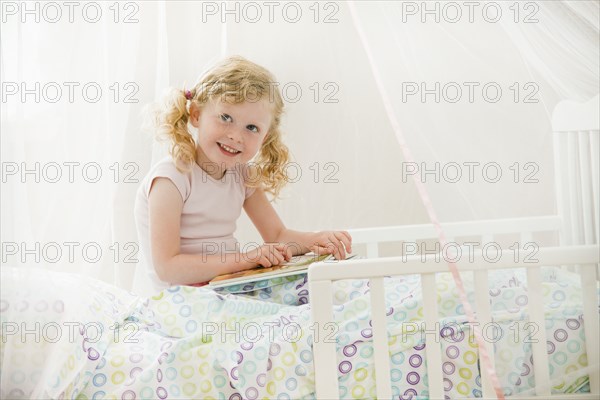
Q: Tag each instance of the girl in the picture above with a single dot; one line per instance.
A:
(187, 206)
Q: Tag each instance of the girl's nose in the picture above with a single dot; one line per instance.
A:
(235, 135)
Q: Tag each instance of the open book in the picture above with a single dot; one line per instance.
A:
(295, 266)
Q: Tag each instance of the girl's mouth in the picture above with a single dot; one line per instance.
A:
(228, 150)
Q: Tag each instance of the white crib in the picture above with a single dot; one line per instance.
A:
(576, 224)
(322, 275)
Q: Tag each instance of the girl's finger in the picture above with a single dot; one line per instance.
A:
(274, 257)
(285, 251)
(343, 240)
(337, 248)
(319, 250)
(280, 256)
(265, 262)
(349, 244)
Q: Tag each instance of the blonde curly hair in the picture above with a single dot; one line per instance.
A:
(232, 80)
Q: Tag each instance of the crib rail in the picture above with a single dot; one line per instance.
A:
(484, 229)
(322, 275)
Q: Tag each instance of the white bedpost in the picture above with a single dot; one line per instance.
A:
(380, 339)
(324, 352)
(433, 348)
(576, 128)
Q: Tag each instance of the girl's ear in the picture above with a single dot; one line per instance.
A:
(194, 114)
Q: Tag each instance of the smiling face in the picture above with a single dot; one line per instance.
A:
(229, 134)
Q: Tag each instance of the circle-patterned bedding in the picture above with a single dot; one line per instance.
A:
(66, 336)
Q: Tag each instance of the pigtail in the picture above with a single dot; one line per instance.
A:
(170, 123)
(271, 164)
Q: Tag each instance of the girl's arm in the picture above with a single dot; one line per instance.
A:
(165, 207)
(270, 226)
(272, 229)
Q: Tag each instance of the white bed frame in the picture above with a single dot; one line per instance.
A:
(322, 275)
(575, 129)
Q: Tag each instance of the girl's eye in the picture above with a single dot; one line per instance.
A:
(225, 118)
(253, 128)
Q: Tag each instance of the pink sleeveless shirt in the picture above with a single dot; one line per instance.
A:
(211, 208)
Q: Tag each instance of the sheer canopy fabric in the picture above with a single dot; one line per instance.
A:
(474, 99)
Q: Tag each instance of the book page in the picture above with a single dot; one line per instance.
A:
(296, 263)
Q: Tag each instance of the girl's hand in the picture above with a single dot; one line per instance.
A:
(268, 255)
(331, 242)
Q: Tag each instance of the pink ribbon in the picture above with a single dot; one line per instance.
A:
(485, 358)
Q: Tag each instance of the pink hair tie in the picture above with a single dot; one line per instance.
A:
(188, 94)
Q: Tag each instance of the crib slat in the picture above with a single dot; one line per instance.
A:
(595, 162)
(372, 250)
(538, 345)
(574, 190)
(487, 238)
(484, 316)
(586, 190)
(324, 353)
(590, 318)
(561, 178)
(432, 347)
(380, 339)
(525, 237)
(594, 156)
